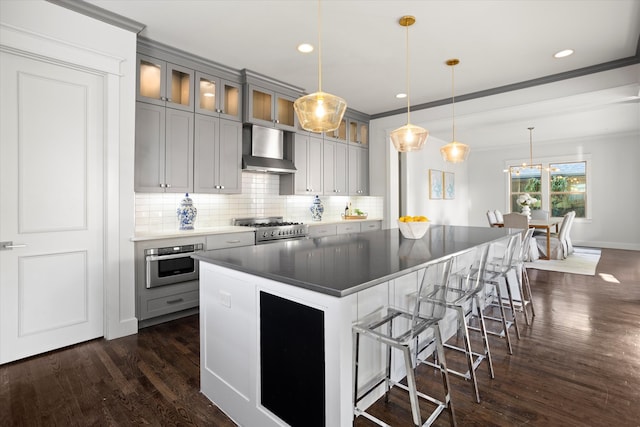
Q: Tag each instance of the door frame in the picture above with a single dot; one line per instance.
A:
(118, 289)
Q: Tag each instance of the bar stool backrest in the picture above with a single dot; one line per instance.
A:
(433, 288)
(525, 244)
(468, 271)
(505, 261)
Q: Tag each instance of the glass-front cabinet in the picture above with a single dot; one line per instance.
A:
(218, 97)
(269, 108)
(358, 132)
(340, 134)
(164, 83)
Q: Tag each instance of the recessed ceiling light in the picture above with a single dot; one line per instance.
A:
(305, 48)
(563, 53)
(401, 95)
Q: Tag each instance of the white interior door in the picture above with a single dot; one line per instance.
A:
(51, 186)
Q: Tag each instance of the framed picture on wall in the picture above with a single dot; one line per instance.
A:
(435, 184)
(449, 184)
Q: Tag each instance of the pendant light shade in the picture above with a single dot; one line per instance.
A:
(408, 137)
(454, 152)
(320, 111)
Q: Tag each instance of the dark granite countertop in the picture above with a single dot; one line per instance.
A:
(344, 264)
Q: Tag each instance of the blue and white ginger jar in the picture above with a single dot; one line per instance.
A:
(186, 213)
(317, 209)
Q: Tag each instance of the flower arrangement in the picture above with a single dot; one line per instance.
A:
(526, 200)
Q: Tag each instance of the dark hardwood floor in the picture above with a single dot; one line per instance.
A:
(578, 364)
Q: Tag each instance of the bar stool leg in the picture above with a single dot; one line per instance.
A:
(467, 349)
(513, 309)
(485, 338)
(411, 384)
(503, 317)
(444, 373)
(356, 348)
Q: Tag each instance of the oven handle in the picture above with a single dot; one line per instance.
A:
(151, 258)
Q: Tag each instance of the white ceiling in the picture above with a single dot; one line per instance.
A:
(363, 47)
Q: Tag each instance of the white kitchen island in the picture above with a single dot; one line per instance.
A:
(275, 320)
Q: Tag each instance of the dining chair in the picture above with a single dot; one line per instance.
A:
(466, 285)
(558, 246)
(399, 328)
(567, 237)
(540, 214)
(516, 220)
(491, 216)
(498, 214)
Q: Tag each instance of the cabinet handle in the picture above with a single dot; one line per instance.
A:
(222, 187)
(276, 121)
(175, 301)
(233, 241)
(168, 185)
(162, 185)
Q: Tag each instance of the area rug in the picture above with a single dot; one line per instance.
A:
(581, 261)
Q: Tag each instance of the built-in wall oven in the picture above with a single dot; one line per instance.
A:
(171, 264)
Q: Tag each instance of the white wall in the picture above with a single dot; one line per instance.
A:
(55, 22)
(480, 182)
(614, 191)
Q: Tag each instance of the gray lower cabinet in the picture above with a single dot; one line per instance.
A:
(358, 171)
(334, 174)
(164, 149)
(218, 155)
(163, 303)
(308, 161)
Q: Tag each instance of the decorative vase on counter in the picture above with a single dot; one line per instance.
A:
(317, 208)
(186, 213)
(526, 210)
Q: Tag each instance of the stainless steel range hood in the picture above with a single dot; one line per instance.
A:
(263, 151)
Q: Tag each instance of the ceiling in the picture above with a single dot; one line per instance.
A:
(498, 43)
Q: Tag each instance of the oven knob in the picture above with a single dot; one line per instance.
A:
(265, 234)
(274, 232)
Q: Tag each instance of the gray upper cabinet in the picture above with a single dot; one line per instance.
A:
(334, 168)
(218, 97)
(267, 107)
(164, 83)
(358, 171)
(163, 149)
(218, 155)
(307, 158)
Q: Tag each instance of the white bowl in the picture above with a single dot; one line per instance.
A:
(413, 230)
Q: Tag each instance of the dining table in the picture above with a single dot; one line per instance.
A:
(542, 224)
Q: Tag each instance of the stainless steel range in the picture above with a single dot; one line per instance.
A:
(274, 229)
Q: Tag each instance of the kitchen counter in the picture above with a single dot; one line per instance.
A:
(275, 319)
(139, 237)
(345, 264)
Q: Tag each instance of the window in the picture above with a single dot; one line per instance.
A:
(525, 180)
(559, 187)
(568, 188)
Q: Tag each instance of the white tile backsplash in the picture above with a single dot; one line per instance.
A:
(156, 212)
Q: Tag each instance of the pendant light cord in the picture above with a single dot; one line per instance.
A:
(319, 48)
(408, 92)
(530, 147)
(453, 106)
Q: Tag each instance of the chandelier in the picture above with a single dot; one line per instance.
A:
(454, 152)
(516, 170)
(408, 137)
(320, 111)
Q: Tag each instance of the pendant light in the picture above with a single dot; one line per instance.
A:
(408, 137)
(320, 111)
(454, 152)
